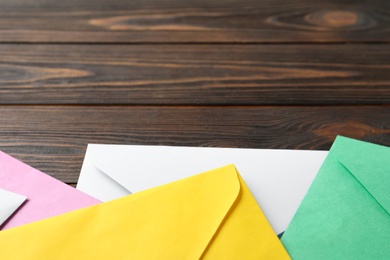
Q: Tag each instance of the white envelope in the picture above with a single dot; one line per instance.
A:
(278, 179)
(9, 203)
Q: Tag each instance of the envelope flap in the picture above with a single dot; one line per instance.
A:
(223, 187)
(369, 164)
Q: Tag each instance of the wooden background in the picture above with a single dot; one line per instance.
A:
(220, 73)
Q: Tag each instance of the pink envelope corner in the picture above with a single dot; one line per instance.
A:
(46, 196)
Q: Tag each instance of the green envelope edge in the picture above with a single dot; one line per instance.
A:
(345, 214)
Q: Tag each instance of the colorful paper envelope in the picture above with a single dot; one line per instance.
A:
(278, 179)
(346, 212)
(46, 196)
(211, 216)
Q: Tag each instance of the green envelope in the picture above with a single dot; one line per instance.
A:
(346, 212)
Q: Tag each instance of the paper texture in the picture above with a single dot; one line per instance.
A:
(46, 196)
(345, 214)
(9, 203)
(278, 179)
(211, 216)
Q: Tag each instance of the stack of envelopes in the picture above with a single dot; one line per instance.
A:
(156, 205)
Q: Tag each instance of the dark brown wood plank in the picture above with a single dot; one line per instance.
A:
(195, 21)
(54, 138)
(195, 74)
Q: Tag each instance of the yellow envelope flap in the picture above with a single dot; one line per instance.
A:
(178, 220)
(369, 164)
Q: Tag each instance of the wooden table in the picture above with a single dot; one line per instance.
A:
(237, 73)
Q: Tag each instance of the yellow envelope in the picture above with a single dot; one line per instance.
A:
(210, 215)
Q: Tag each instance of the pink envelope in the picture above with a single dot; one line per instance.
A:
(46, 196)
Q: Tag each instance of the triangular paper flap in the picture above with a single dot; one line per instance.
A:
(176, 220)
(369, 164)
(246, 233)
(9, 203)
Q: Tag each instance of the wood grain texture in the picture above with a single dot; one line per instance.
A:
(54, 138)
(204, 21)
(195, 74)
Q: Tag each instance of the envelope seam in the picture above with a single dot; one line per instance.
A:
(111, 178)
(224, 218)
(364, 187)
